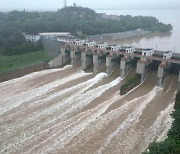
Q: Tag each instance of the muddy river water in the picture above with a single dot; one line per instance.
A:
(165, 41)
(66, 110)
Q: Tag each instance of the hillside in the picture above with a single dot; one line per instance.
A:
(71, 19)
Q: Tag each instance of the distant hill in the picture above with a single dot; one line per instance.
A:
(76, 20)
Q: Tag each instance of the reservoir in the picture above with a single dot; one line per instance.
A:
(164, 41)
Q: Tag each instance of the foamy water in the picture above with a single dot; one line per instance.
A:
(54, 118)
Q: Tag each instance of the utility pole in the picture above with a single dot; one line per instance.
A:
(80, 26)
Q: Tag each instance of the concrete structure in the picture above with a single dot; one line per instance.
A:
(124, 66)
(86, 60)
(162, 73)
(141, 69)
(115, 47)
(102, 45)
(111, 62)
(143, 62)
(65, 56)
(179, 81)
(90, 44)
(57, 61)
(32, 38)
(111, 17)
(130, 49)
(75, 56)
(167, 55)
(109, 65)
(55, 34)
(97, 62)
(147, 52)
(92, 53)
(79, 42)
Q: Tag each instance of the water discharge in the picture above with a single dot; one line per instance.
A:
(69, 111)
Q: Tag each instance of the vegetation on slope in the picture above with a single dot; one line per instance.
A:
(132, 80)
(171, 145)
(14, 61)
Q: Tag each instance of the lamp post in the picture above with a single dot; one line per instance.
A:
(101, 39)
(80, 25)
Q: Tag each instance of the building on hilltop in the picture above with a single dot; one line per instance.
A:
(111, 17)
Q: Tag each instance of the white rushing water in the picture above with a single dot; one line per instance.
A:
(56, 117)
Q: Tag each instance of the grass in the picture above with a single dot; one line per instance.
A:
(132, 80)
(15, 61)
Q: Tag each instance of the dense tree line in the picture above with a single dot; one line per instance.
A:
(70, 19)
(171, 145)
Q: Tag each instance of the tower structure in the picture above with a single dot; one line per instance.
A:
(65, 3)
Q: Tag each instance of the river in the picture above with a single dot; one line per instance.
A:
(164, 41)
(66, 110)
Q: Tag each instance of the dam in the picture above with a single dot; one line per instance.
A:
(91, 53)
(77, 108)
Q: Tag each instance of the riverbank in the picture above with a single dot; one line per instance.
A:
(172, 143)
(121, 36)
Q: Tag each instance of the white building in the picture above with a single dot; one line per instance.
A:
(167, 55)
(147, 52)
(90, 44)
(130, 49)
(111, 17)
(115, 47)
(102, 45)
(32, 38)
(79, 42)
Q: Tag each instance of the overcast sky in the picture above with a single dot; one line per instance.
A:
(94, 4)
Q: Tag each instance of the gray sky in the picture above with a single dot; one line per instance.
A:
(94, 4)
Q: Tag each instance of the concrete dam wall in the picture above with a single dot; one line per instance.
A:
(4, 76)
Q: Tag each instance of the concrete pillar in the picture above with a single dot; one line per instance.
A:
(140, 69)
(178, 81)
(109, 65)
(57, 61)
(122, 68)
(96, 63)
(74, 57)
(63, 53)
(160, 75)
(65, 56)
(86, 61)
